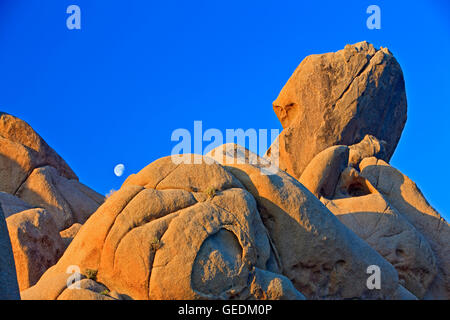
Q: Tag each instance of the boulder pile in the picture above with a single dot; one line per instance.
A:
(336, 221)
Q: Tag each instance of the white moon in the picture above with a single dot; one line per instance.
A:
(119, 169)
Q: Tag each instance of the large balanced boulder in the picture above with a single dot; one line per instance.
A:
(35, 173)
(9, 288)
(337, 99)
(36, 244)
(175, 231)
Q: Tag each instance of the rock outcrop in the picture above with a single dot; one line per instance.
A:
(70, 286)
(375, 221)
(231, 224)
(322, 173)
(67, 200)
(387, 210)
(28, 151)
(34, 172)
(182, 231)
(40, 196)
(337, 99)
(406, 197)
(68, 234)
(370, 146)
(321, 256)
(11, 204)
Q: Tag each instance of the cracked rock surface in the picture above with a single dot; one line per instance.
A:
(231, 224)
(337, 99)
(40, 196)
(35, 173)
(163, 235)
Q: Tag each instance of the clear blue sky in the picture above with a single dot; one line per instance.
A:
(114, 91)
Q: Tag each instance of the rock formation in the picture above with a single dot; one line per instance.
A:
(337, 99)
(23, 150)
(374, 220)
(9, 288)
(406, 197)
(34, 172)
(177, 232)
(67, 200)
(70, 233)
(36, 244)
(40, 196)
(11, 204)
(319, 254)
(226, 225)
(387, 210)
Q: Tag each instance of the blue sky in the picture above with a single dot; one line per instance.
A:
(114, 91)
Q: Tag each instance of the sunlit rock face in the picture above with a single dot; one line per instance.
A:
(9, 288)
(337, 99)
(223, 226)
(40, 196)
(32, 171)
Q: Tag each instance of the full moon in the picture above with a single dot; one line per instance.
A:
(119, 169)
